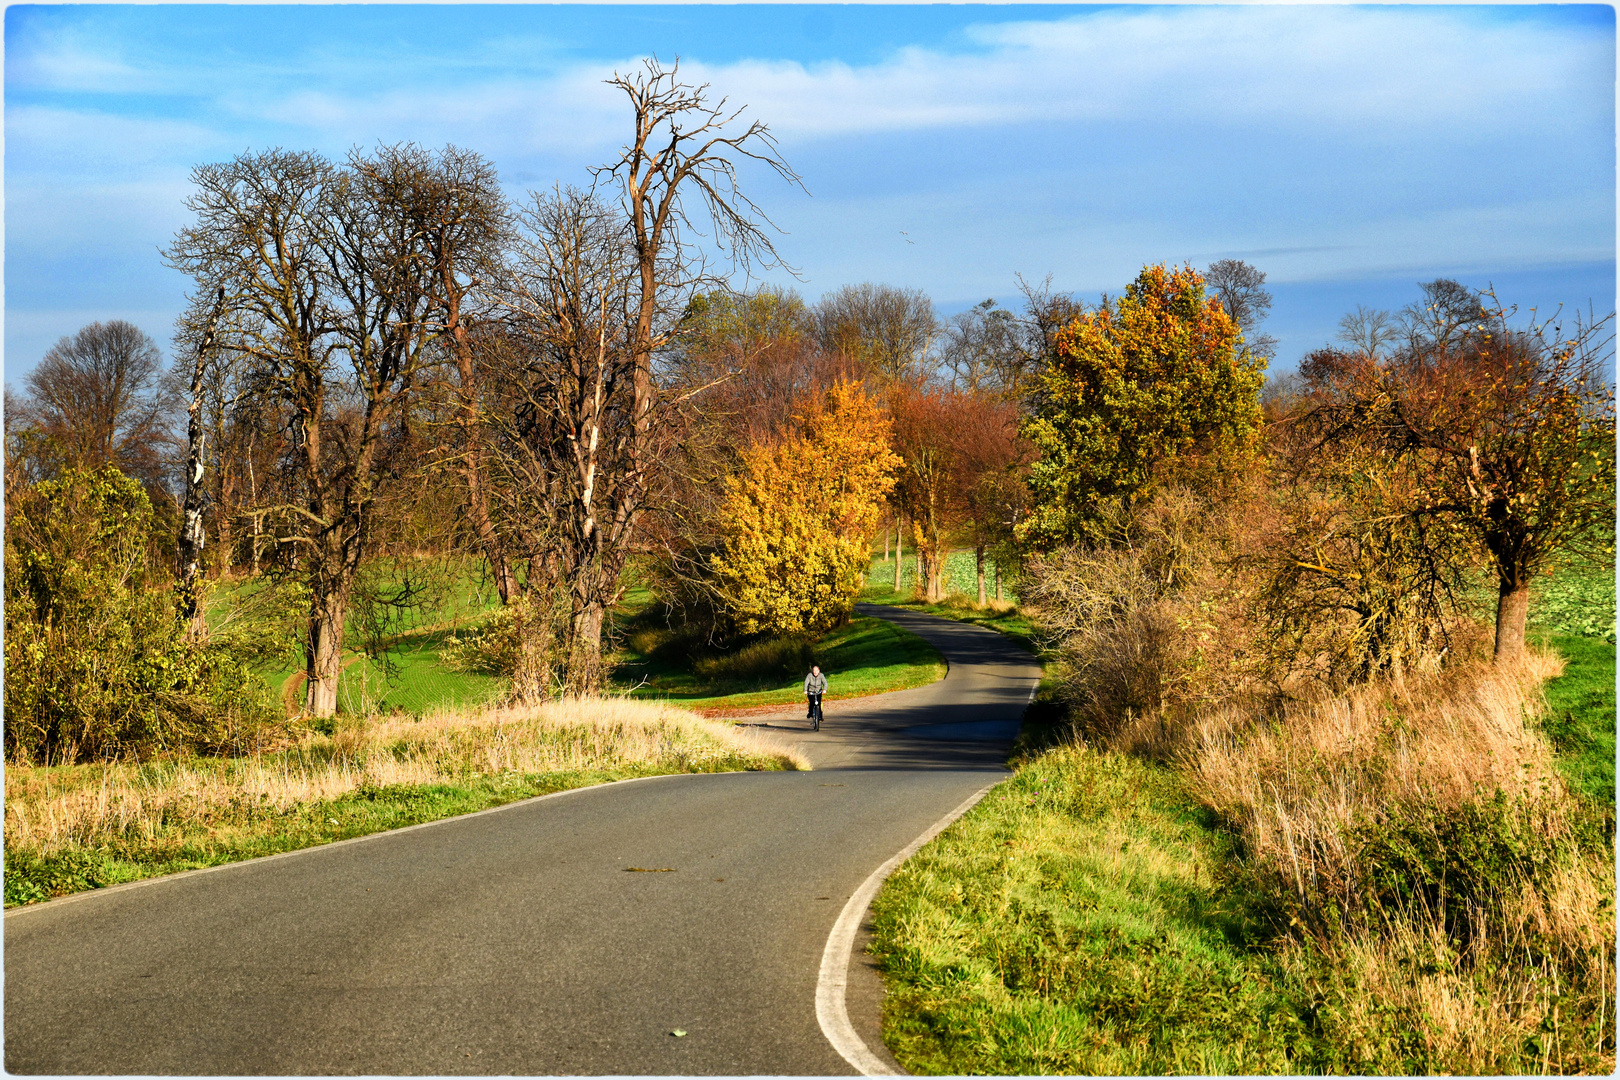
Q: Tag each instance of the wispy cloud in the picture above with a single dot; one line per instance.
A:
(1396, 68)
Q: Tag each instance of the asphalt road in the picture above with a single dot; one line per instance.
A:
(519, 940)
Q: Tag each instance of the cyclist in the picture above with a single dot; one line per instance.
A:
(815, 684)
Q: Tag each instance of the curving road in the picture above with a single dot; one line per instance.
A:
(517, 940)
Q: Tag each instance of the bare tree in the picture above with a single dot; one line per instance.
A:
(453, 199)
(1046, 313)
(329, 292)
(607, 447)
(98, 398)
(1242, 291)
(564, 443)
(889, 329)
(1368, 330)
(680, 148)
(1449, 311)
(981, 349)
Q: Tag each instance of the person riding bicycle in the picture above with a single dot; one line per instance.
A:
(815, 684)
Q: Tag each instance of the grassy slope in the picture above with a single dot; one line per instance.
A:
(1070, 924)
(1580, 715)
(866, 656)
(409, 677)
(1573, 612)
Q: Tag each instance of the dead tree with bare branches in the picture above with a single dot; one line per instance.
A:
(595, 295)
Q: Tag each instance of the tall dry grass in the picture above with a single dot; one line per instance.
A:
(1299, 786)
(91, 806)
(1439, 894)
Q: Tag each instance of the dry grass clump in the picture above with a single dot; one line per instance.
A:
(1435, 888)
(1409, 999)
(1298, 786)
(90, 806)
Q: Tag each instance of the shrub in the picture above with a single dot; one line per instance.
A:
(519, 642)
(1148, 624)
(97, 664)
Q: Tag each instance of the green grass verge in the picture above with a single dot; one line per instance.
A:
(1070, 923)
(246, 832)
(865, 656)
(408, 678)
(1580, 714)
(1012, 622)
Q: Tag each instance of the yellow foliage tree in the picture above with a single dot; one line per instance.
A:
(800, 513)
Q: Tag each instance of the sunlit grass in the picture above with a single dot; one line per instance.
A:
(77, 827)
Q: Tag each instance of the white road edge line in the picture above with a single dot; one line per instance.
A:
(831, 1011)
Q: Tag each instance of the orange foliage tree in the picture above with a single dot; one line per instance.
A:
(799, 516)
(1503, 435)
(929, 490)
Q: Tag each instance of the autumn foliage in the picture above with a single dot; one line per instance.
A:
(799, 515)
(1153, 387)
(1501, 437)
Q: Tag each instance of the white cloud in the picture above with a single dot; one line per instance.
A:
(65, 60)
(1398, 68)
(1394, 69)
(1417, 102)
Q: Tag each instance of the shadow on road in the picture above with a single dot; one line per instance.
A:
(967, 720)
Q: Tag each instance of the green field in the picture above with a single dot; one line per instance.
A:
(960, 577)
(1580, 714)
(406, 674)
(1575, 600)
(409, 674)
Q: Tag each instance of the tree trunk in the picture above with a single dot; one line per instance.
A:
(531, 677)
(899, 553)
(1512, 605)
(998, 582)
(585, 649)
(324, 654)
(227, 544)
(936, 577)
(885, 542)
(189, 551)
(253, 500)
(472, 462)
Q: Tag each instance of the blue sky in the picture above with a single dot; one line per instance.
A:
(1347, 151)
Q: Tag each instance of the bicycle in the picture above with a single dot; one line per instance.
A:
(815, 712)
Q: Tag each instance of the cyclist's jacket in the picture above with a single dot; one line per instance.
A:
(815, 684)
